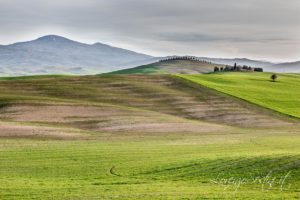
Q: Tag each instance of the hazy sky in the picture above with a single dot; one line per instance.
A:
(261, 29)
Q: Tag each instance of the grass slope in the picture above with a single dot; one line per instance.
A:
(233, 161)
(144, 69)
(198, 167)
(171, 67)
(165, 95)
(282, 96)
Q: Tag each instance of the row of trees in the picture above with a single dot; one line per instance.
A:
(191, 58)
(237, 68)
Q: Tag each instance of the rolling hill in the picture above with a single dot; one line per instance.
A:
(257, 88)
(142, 137)
(208, 64)
(164, 94)
(58, 55)
(171, 67)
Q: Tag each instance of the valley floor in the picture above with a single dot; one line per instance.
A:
(141, 137)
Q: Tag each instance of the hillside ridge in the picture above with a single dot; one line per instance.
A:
(172, 66)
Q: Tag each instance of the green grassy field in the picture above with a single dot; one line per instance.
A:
(142, 137)
(145, 69)
(282, 96)
(187, 167)
(153, 168)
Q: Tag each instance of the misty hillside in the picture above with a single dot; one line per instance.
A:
(240, 61)
(292, 67)
(55, 55)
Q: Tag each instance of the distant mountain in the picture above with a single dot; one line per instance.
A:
(58, 55)
(291, 67)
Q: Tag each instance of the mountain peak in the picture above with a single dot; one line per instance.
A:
(52, 38)
(53, 54)
(101, 44)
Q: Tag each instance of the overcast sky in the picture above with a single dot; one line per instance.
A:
(260, 29)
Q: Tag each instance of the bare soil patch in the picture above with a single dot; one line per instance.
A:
(106, 119)
(12, 130)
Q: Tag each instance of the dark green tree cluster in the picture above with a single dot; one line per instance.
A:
(274, 77)
(236, 68)
(191, 58)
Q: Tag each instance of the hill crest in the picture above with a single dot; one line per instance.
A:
(172, 66)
